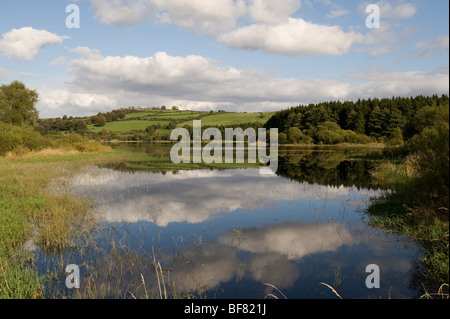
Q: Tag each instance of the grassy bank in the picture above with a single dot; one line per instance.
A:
(32, 214)
(410, 210)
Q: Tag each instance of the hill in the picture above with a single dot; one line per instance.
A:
(144, 124)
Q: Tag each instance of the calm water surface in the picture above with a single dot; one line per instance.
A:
(228, 233)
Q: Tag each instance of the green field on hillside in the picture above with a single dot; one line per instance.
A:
(139, 114)
(141, 119)
(181, 115)
(224, 119)
(126, 126)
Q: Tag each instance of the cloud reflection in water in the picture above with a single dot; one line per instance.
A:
(191, 196)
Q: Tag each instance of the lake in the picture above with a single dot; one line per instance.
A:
(233, 233)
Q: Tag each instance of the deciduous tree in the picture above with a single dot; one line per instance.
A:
(17, 104)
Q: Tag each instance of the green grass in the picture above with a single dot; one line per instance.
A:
(224, 119)
(14, 229)
(29, 210)
(391, 214)
(17, 279)
(139, 114)
(126, 126)
(164, 114)
(408, 211)
(179, 115)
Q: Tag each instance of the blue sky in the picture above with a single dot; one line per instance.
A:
(237, 55)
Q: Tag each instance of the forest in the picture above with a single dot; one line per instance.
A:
(387, 121)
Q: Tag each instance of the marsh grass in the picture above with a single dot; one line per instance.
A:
(36, 209)
(332, 289)
(442, 293)
(17, 279)
(409, 209)
(118, 272)
(271, 295)
(32, 215)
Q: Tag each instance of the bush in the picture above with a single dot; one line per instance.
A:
(295, 136)
(79, 143)
(432, 149)
(88, 147)
(357, 138)
(282, 138)
(329, 133)
(396, 138)
(70, 139)
(20, 138)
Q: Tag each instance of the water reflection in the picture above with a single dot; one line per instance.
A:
(325, 168)
(227, 232)
(195, 196)
(271, 248)
(291, 240)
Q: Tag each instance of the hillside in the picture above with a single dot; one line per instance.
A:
(145, 124)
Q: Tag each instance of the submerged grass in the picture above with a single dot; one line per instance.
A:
(408, 210)
(31, 214)
(119, 272)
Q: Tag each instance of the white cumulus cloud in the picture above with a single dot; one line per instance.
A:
(57, 102)
(25, 43)
(194, 79)
(293, 37)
